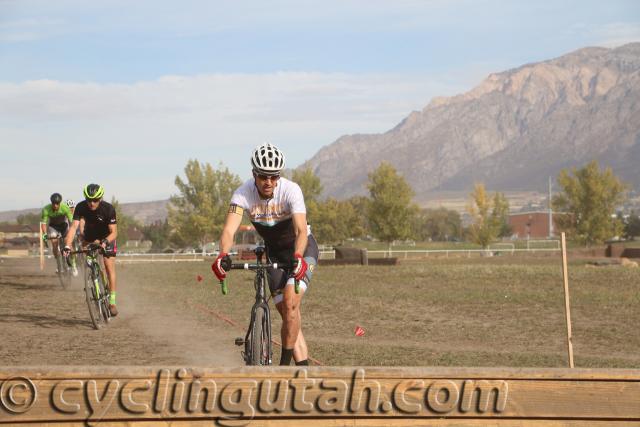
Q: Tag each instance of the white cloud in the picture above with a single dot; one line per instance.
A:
(137, 137)
(290, 96)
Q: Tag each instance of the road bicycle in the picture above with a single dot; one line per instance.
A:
(96, 285)
(63, 268)
(75, 246)
(257, 341)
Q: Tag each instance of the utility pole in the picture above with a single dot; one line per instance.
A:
(550, 212)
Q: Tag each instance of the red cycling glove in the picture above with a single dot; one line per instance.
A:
(300, 267)
(217, 266)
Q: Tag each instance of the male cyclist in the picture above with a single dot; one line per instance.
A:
(99, 227)
(71, 204)
(54, 223)
(76, 239)
(276, 208)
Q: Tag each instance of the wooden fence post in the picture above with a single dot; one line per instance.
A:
(567, 308)
(41, 247)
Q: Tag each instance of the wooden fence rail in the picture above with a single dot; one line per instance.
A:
(318, 396)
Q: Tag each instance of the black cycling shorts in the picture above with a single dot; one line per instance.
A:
(278, 277)
(60, 228)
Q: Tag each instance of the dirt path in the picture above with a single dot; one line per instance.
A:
(42, 324)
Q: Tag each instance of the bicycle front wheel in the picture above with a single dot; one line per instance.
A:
(260, 338)
(92, 297)
(104, 298)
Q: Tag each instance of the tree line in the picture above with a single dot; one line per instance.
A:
(587, 199)
(388, 213)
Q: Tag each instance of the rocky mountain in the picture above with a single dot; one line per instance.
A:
(511, 132)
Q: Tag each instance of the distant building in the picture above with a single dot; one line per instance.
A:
(135, 237)
(11, 231)
(533, 225)
(29, 243)
(16, 236)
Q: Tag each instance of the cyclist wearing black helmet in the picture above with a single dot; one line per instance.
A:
(275, 206)
(54, 223)
(99, 219)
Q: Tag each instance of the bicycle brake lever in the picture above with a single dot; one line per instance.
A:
(223, 285)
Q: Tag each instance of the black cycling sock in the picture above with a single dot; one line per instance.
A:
(286, 356)
(304, 362)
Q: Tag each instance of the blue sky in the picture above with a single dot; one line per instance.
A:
(123, 93)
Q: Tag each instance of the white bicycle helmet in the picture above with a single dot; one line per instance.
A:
(267, 159)
(70, 203)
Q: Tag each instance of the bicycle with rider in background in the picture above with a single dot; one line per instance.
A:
(80, 255)
(54, 224)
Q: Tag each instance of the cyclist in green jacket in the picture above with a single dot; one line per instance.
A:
(54, 223)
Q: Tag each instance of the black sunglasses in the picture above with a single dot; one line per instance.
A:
(264, 177)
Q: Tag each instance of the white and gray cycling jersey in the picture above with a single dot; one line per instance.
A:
(273, 217)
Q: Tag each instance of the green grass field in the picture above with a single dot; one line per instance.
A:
(500, 311)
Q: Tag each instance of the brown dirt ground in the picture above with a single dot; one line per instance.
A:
(499, 311)
(43, 324)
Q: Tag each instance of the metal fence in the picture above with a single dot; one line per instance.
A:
(532, 246)
(507, 249)
(326, 253)
(133, 258)
(425, 253)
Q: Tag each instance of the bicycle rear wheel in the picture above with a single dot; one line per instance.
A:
(64, 273)
(80, 258)
(92, 297)
(260, 353)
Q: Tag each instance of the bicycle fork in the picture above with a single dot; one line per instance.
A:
(266, 328)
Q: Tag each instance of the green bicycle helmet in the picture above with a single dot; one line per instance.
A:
(93, 191)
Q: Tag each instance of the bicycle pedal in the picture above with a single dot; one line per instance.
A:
(239, 341)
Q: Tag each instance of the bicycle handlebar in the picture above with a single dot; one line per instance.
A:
(93, 247)
(248, 266)
(256, 266)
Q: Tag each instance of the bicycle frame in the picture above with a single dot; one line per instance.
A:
(93, 264)
(260, 305)
(97, 292)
